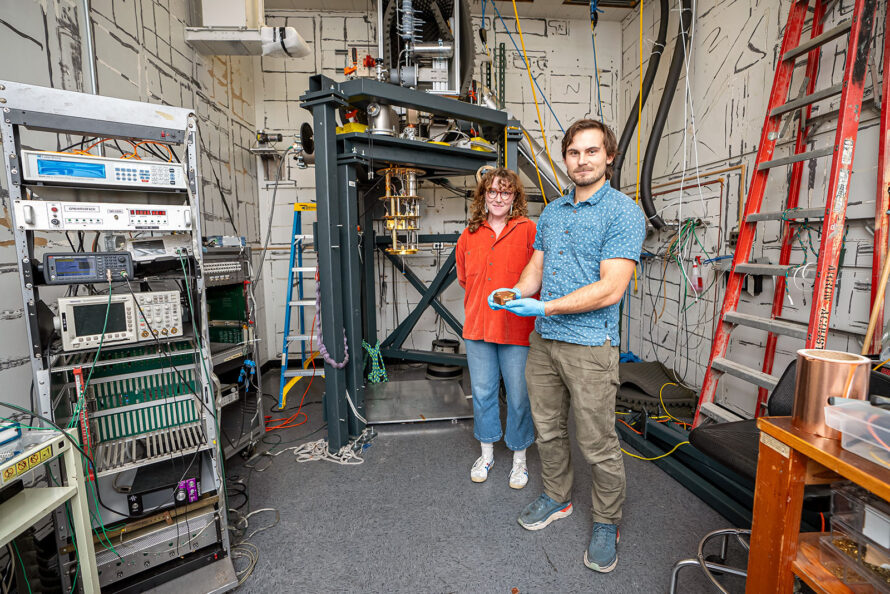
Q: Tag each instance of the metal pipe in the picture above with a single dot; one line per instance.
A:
(433, 49)
(719, 180)
(681, 48)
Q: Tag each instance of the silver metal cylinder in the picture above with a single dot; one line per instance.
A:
(382, 120)
(434, 49)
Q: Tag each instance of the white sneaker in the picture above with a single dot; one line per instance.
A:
(518, 475)
(479, 472)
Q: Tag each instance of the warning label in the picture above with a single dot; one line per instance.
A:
(22, 466)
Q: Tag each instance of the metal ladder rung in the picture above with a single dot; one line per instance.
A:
(298, 337)
(302, 303)
(304, 372)
(769, 269)
(818, 40)
(748, 374)
(770, 325)
(303, 269)
(807, 99)
(822, 152)
(791, 213)
(299, 237)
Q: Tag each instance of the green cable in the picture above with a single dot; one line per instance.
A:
(222, 456)
(24, 573)
(80, 397)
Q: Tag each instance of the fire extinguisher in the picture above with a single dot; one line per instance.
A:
(698, 284)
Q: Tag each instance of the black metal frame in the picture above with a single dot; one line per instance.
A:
(343, 163)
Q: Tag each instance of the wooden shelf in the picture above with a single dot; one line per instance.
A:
(26, 507)
(830, 454)
(808, 567)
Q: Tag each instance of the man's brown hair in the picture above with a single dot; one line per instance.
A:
(610, 143)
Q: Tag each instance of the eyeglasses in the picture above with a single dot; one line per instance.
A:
(505, 196)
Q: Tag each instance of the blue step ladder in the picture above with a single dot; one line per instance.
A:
(297, 272)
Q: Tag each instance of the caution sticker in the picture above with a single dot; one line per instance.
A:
(9, 474)
(24, 465)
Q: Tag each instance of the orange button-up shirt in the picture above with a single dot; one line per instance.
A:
(486, 263)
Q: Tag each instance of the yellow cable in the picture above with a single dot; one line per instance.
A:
(531, 83)
(505, 147)
(295, 379)
(879, 365)
(656, 457)
(661, 400)
(535, 161)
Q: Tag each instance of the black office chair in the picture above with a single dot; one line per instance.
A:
(737, 445)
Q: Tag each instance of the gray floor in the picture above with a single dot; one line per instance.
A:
(409, 519)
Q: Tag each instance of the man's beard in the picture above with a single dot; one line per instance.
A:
(587, 181)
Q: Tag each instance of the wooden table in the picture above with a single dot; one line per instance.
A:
(788, 460)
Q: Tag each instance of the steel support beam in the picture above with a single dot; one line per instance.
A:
(436, 160)
(412, 278)
(425, 356)
(330, 262)
(351, 271)
(446, 275)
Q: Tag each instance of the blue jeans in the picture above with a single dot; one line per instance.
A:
(488, 362)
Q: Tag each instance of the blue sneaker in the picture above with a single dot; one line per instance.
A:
(601, 554)
(542, 511)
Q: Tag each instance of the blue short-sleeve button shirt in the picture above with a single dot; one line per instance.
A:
(575, 238)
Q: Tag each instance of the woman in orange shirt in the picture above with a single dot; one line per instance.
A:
(492, 252)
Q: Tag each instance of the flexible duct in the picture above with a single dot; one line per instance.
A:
(554, 178)
(632, 119)
(681, 47)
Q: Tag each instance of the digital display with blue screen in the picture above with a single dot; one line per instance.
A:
(71, 168)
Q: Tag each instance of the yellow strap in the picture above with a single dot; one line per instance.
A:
(295, 379)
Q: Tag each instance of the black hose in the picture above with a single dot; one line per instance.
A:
(632, 119)
(670, 87)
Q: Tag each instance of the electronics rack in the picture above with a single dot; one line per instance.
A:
(232, 320)
(142, 407)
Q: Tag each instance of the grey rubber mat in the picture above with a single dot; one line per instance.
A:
(639, 384)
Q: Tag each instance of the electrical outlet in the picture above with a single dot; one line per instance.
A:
(733, 238)
(437, 245)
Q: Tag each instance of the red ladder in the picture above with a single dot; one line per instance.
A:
(859, 30)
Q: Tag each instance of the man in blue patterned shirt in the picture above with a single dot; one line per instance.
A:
(586, 248)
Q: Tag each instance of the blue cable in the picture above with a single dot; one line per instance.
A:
(596, 72)
(544, 97)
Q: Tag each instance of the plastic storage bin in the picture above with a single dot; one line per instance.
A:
(865, 430)
(842, 566)
(871, 561)
(861, 511)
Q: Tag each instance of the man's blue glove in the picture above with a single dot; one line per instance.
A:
(494, 305)
(525, 307)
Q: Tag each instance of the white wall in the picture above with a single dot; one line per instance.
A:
(731, 69)
(561, 57)
(142, 55)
